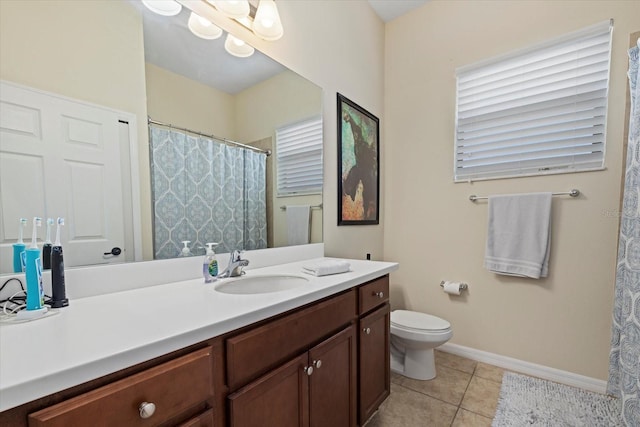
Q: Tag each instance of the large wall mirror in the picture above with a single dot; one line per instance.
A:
(119, 55)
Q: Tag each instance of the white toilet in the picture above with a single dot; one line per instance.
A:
(413, 337)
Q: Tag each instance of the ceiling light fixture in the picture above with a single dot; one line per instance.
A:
(163, 7)
(267, 24)
(203, 28)
(237, 47)
(235, 9)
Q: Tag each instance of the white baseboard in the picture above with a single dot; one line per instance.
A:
(540, 371)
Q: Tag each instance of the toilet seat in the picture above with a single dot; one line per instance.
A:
(416, 322)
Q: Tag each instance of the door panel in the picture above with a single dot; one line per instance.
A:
(374, 361)
(60, 158)
(332, 386)
(277, 399)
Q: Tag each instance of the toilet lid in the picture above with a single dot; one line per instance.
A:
(420, 321)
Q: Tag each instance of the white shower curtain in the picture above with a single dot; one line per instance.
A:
(205, 191)
(624, 360)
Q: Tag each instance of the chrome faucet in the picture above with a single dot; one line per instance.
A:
(236, 263)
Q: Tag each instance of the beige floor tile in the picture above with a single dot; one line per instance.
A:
(454, 361)
(407, 408)
(449, 385)
(396, 378)
(466, 418)
(489, 372)
(481, 396)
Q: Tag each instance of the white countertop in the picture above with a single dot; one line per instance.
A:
(98, 335)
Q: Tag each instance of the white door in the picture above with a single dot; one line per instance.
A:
(60, 158)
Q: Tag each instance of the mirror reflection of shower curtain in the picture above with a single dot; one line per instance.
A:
(205, 191)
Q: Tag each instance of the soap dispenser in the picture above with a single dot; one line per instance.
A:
(210, 264)
(185, 249)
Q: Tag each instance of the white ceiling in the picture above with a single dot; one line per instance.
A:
(388, 10)
(170, 44)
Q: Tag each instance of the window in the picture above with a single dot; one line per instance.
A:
(299, 157)
(538, 111)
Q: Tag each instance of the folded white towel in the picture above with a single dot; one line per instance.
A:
(326, 267)
(519, 235)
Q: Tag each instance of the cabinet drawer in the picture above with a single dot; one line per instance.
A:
(252, 353)
(373, 294)
(172, 387)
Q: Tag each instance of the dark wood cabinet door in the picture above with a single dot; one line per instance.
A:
(279, 398)
(333, 383)
(374, 361)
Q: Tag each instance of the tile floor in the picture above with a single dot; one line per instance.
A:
(464, 394)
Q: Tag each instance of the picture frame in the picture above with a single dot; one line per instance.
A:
(358, 164)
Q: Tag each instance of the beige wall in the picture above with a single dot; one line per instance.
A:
(436, 233)
(174, 99)
(260, 110)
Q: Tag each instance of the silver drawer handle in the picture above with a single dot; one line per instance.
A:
(308, 370)
(147, 409)
(379, 294)
(317, 364)
(367, 331)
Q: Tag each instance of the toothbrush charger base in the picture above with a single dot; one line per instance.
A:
(59, 303)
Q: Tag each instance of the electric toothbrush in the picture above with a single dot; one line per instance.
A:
(46, 248)
(59, 297)
(33, 271)
(18, 248)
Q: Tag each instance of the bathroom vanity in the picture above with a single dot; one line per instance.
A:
(315, 355)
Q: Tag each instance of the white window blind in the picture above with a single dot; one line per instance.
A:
(299, 157)
(537, 111)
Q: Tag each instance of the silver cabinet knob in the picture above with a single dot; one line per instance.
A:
(317, 364)
(147, 409)
(367, 331)
(308, 370)
(379, 294)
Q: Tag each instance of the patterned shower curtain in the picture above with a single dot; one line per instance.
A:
(624, 360)
(205, 191)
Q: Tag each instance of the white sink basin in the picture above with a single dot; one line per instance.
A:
(260, 284)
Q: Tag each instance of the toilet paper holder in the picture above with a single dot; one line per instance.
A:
(463, 286)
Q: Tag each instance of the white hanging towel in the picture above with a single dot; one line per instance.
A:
(298, 224)
(519, 235)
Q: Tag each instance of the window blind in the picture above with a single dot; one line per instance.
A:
(299, 157)
(538, 111)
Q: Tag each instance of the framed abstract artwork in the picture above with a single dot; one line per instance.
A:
(358, 164)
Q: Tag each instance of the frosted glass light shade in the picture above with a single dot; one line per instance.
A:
(237, 47)
(267, 24)
(163, 7)
(203, 28)
(236, 9)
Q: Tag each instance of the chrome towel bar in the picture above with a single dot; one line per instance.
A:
(572, 193)
(319, 206)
